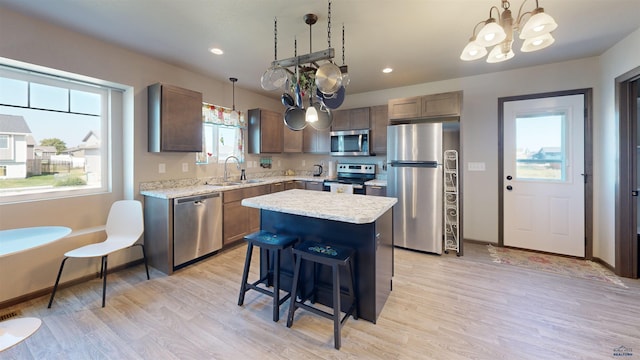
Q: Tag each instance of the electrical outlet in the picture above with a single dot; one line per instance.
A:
(476, 166)
(162, 168)
(185, 167)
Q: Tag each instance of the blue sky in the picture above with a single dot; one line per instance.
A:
(68, 127)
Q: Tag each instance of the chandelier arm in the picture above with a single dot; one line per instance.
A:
(475, 28)
(496, 9)
(521, 15)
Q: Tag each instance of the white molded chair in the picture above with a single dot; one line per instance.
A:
(125, 225)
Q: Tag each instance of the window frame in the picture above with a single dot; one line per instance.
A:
(71, 82)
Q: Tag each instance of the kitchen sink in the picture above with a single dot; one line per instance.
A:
(252, 181)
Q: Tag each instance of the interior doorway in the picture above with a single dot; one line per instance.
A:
(548, 183)
(627, 247)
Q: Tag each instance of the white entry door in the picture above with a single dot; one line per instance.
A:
(543, 168)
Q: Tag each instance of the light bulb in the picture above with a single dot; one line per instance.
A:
(311, 115)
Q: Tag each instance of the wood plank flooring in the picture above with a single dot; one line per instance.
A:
(441, 307)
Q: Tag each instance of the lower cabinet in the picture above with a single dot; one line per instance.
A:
(314, 185)
(239, 220)
(275, 187)
(294, 184)
(375, 190)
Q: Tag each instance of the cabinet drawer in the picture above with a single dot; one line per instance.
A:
(239, 194)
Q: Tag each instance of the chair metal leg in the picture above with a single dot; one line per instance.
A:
(144, 257)
(55, 286)
(104, 279)
(245, 274)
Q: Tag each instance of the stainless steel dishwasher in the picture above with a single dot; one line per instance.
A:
(197, 227)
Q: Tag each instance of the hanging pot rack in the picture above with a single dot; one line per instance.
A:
(307, 63)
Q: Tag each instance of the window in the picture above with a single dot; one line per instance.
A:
(540, 145)
(222, 137)
(57, 130)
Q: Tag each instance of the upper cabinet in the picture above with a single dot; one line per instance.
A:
(292, 141)
(352, 119)
(175, 119)
(265, 132)
(316, 141)
(379, 120)
(443, 105)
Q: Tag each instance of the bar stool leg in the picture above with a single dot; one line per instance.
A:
(276, 286)
(352, 290)
(336, 306)
(245, 274)
(294, 290)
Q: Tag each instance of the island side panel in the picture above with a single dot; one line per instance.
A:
(361, 237)
(384, 259)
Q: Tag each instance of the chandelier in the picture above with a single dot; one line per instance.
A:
(498, 32)
(314, 74)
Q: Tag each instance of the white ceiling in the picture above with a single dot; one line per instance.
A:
(420, 39)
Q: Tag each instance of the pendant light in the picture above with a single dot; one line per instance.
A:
(234, 114)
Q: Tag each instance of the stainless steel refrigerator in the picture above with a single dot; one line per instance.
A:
(414, 176)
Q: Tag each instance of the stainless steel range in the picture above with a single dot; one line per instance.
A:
(353, 174)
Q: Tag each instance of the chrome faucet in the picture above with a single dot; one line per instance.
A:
(225, 166)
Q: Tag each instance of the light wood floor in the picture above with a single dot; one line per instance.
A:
(441, 307)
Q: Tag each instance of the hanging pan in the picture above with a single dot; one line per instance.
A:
(332, 101)
(294, 116)
(328, 78)
(325, 117)
(274, 78)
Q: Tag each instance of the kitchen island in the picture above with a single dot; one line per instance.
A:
(361, 222)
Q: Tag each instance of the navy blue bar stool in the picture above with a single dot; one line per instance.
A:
(274, 244)
(335, 257)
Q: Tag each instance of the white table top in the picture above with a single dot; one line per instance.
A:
(17, 240)
(13, 331)
(356, 209)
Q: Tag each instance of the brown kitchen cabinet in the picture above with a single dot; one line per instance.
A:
(238, 220)
(351, 119)
(276, 187)
(292, 141)
(265, 132)
(314, 185)
(174, 119)
(379, 121)
(405, 108)
(425, 107)
(294, 184)
(316, 141)
(375, 190)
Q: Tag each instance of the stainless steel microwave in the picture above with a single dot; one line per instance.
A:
(350, 143)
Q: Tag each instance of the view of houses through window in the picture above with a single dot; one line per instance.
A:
(540, 146)
(52, 135)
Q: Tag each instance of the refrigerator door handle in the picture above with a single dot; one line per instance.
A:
(420, 164)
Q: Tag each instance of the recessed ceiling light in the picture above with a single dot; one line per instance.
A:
(387, 70)
(216, 51)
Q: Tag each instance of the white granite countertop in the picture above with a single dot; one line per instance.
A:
(200, 188)
(376, 182)
(351, 208)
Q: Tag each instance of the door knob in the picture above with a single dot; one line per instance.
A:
(634, 192)
(509, 177)
(509, 187)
